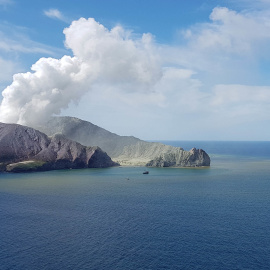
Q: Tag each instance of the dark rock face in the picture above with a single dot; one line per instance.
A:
(193, 158)
(18, 143)
(33, 150)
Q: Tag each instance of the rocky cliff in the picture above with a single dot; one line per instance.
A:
(126, 150)
(23, 149)
(180, 158)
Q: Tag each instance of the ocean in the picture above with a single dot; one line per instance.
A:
(119, 218)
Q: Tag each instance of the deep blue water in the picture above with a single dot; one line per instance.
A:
(216, 218)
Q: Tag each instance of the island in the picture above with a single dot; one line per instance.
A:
(125, 150)
(71, 143)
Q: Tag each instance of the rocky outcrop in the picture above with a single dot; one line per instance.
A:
(180, 158)
(126, 150)
(26, 149)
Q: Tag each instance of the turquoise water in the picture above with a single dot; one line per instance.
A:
(118, 218)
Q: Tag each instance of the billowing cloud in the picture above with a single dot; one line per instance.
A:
(115, 54)
(100, 55)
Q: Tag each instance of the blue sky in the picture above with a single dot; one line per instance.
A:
(155, 69)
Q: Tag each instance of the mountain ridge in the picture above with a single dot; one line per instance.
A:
(125, 150)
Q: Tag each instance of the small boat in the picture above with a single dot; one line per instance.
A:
(146, 172)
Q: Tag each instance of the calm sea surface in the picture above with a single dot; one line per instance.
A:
(118, 218)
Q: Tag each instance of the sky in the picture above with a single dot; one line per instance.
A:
(154, 69)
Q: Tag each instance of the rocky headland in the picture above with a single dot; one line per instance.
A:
(26, 149)
(125, 150)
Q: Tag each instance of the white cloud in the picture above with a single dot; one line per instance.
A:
(234, 32)
(55, 14)
(229, 33)
(115, 54)
(101, 55)
(201, 84)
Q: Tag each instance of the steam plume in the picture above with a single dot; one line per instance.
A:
(111, 56)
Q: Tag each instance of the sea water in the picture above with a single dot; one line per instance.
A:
(119, 218)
